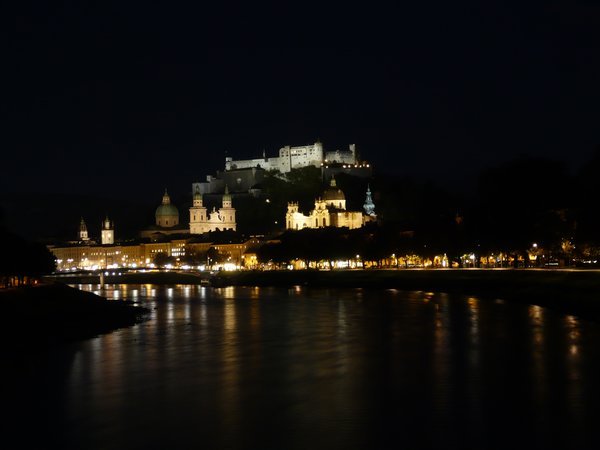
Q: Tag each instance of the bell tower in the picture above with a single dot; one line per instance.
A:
(227, 212)
(108, 232)
(83, 231)
(198, 216)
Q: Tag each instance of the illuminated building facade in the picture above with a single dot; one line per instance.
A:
(329, 211)
(97, 257)
(296, 157)
(201, 221)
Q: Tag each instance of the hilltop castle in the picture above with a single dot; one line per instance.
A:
(296, 157)
(245, 176)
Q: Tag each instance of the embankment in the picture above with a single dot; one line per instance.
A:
(43, 315)
(570, 292)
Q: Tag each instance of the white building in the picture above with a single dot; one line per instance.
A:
(294, 158)
(329, 211)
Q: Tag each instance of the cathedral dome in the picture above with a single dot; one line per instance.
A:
(333, 192)
(166, 210)
(167, 215)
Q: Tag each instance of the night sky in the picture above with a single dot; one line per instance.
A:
(127, 99)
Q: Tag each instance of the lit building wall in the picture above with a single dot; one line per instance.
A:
(342, 157)
(97, 257)
(289, 158)
(350, 219)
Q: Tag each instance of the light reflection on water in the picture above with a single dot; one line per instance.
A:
(318, 368)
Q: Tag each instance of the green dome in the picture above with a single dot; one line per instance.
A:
(166, 210)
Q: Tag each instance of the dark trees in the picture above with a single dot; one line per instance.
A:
(21, 259)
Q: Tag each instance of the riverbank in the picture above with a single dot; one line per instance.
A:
(569, 292)
(574, 292)
(44, 315)
(154, 277)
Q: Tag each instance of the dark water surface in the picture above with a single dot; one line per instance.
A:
(273, 368)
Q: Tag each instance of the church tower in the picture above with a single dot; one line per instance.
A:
(369, 206)
(83, 232)
(108, 232)
(198, 216)
(227, 212)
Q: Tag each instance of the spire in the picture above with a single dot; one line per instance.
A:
(197, 197)
(226, 198)
(166, 199)
(332, 182)
(83, 232)
(369, 206)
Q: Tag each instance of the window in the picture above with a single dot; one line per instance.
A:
(316, 222)
(324, 222)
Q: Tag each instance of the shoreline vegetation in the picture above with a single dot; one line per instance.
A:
(575, 292)
(47, 314)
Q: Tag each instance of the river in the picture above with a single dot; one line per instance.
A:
(301, 368)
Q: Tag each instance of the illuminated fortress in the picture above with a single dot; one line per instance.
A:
(295, 158)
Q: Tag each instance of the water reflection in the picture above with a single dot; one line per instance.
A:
(317, 368)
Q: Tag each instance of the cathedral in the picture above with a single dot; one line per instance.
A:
(202, 221)
(330, 211)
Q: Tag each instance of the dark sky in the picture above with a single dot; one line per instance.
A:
(127, 98)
